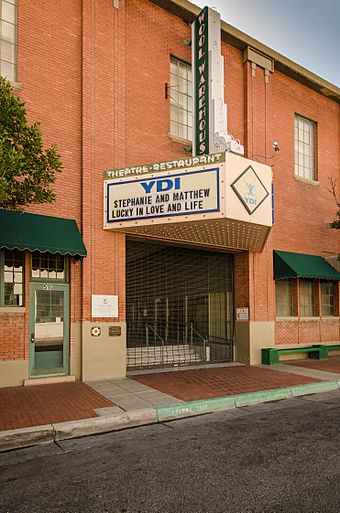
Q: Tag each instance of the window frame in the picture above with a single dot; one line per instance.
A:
(292, 296)
(39, 279)
(333, 306)
(2, 278)
(308, 173)
(312, 304)
(176, 105)
(14, 62)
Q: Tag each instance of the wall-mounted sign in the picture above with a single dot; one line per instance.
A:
(250, 189)
(177, 194)
(104, 305)
(242, 314)
(115, 331)
(200, 54)
(210, 130)
(168, 165)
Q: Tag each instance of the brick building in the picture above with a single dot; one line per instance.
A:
(110, 82)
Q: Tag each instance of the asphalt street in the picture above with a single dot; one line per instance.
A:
(271, 458)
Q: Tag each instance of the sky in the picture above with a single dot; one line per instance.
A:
(305, 31)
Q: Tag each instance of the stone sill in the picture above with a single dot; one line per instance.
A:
(315, 183)
(12, 309)
(304, 319)
(16, 85)
(187, 142)
(49, 379)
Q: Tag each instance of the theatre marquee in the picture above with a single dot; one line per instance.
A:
(224, 202)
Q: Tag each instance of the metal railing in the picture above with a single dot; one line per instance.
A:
(204, 340)
(157, 336)
(149, 347)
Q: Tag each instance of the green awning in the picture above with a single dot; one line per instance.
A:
(298, 265)
(33, 232)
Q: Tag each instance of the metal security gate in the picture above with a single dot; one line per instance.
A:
(179, 305)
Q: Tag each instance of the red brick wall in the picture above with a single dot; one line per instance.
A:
(241, 280)
(49, 43)
(234, 90)
(307, 331)
(302, 210)
(12, 336)
(94, 76)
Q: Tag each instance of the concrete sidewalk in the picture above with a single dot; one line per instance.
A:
(131, 402)
(128, 395)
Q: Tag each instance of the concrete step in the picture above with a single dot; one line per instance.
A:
(159, 363)
(189, 356)
(167, 349)
(180, 347)
(156, 355)
(165, 355)
(195, 358)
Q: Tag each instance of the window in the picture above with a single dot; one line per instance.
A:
(11, 278)
(305, 130)
(180, 94)
(307, 303)
(307, 296)
(284, 298)
(8, 39)
(328, 295)
(48, 266)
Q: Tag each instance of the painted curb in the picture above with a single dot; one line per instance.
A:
(186, 409)
(25, 437)
(314, 388)
(96, 425)
(264, 396)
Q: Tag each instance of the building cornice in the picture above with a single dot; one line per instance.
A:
(231, 35)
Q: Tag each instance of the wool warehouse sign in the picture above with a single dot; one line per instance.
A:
(200, 53)
(210, 128)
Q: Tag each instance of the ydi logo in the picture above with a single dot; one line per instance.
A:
(250, 190)
(250, 195)
(163, 185)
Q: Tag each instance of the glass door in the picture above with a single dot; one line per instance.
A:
(49, 329)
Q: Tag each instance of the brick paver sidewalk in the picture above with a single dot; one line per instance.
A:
(332, 364)
(47, 404)
(190, 385)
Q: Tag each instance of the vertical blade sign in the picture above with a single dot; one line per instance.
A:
(200, 83)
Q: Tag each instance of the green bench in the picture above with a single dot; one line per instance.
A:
(271, 355)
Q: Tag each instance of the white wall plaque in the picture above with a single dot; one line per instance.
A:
(104, 305)
(242, 314)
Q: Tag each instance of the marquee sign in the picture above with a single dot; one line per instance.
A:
(168, 165)
(212, 199)
(187, 193)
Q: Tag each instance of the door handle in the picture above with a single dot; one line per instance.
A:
(32, 338)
